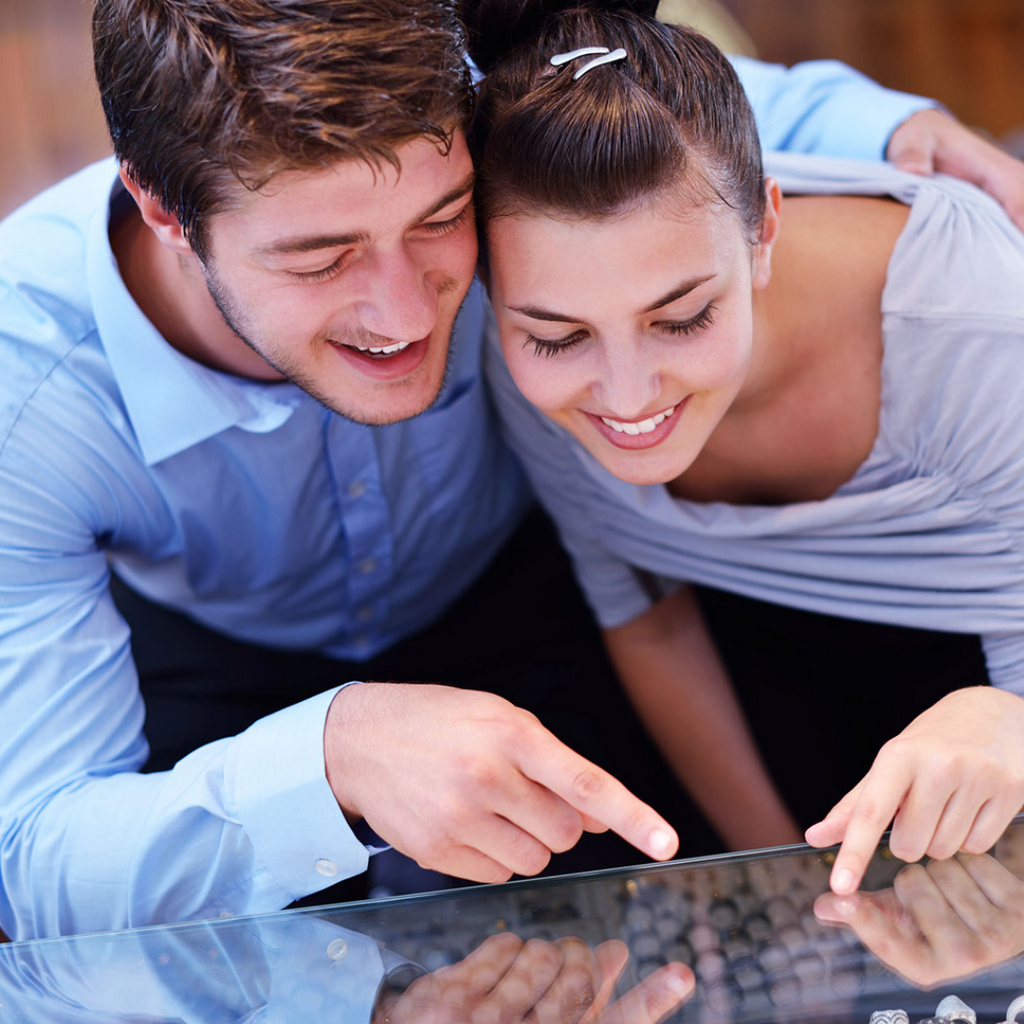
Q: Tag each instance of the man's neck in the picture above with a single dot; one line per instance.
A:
(172, 294)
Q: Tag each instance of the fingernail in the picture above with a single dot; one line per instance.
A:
(662, 842)
(843, 881)
(844, 907)
(677, 984)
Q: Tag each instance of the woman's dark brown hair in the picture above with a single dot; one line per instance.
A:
(204, 95)
(671, 115)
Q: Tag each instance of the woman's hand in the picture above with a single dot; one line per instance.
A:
(938, 923)
(952, 779)
(507, 981)
(931, 141)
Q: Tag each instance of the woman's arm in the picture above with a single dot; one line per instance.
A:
(673, 675)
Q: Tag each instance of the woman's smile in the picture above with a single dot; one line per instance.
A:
(634, 434)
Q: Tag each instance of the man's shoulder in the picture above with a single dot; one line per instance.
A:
(45, 305)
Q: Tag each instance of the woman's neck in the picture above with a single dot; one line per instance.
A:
(807, 416)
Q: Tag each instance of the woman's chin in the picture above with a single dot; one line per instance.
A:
(642, 468)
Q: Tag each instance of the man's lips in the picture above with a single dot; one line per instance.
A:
(384, 362)
(638, 434)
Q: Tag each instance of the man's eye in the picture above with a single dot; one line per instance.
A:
(325, 274)
(444, 227)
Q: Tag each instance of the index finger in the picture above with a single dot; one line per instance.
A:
(597, 795)
(658, 995)
(884, 788)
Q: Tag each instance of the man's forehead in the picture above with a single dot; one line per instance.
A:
(349, 201)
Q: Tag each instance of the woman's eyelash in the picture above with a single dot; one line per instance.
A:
(442, 227)
(550, 347)
(544, 347)
(705, 318)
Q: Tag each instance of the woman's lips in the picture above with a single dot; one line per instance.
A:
(384, 362)
(634, 435)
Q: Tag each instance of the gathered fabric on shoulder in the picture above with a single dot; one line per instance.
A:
(929, 532)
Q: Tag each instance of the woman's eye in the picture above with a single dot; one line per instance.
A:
(705, 318)
(550, 347)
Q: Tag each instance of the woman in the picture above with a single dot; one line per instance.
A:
(817, 403)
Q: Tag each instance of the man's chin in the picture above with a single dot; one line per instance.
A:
(388, 405)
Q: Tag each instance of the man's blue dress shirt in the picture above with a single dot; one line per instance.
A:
(260, 514)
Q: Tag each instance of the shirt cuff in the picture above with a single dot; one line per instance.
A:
(285, 803)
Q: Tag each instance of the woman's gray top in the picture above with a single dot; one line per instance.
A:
(929, 532)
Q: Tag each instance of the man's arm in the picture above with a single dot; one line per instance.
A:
(825, 107)
(242, 825)
(672, 672)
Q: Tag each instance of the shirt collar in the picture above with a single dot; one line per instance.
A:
(172, 401)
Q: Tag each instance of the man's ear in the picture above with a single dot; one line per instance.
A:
(164, 225)
(762, 273)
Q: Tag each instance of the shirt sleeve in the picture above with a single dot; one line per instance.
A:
(823, 107)
(87, 843)
(614, 591)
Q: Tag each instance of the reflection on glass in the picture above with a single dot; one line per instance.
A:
(939, 922)
(757, 931)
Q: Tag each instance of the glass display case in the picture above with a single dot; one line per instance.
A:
(940, 941)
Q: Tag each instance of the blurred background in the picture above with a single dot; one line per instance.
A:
(967, 53)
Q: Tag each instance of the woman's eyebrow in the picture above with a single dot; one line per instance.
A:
(678, 292)
(684, 288)
(536, 313)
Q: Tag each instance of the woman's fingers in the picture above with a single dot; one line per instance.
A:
(991, 821)
(831, 829)
(881, 794)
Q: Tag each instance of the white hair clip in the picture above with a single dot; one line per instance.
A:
(564, 58)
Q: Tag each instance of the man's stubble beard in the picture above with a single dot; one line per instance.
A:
(234, 316)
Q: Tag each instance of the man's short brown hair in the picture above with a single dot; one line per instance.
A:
(200, 95)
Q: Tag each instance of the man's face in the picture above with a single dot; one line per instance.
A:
(348, 279)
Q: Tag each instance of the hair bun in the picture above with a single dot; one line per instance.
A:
(495, 27)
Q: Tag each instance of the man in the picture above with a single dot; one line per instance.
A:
(228, 379)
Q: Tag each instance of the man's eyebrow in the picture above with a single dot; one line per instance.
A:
(466, 185)
(536, 313)
(311, 243)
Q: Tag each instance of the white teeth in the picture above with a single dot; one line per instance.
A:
(386, 350)
(643, 427)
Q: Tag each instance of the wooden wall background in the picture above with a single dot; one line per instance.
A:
(967, 53)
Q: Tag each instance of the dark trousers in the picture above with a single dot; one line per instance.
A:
(822, 694)
(523, 632)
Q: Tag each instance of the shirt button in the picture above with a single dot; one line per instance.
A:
(367, 565)
(356, 489)
(365, 613)
(327, 868)
(337, 949)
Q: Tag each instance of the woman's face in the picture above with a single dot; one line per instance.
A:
(633, 333)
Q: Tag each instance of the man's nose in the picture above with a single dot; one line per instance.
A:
(398, 301)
